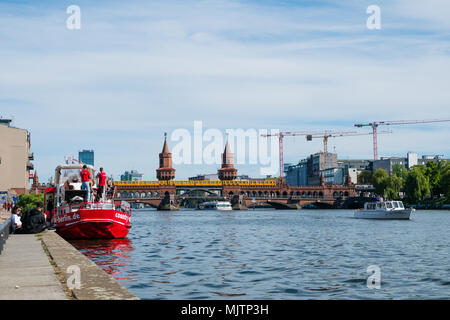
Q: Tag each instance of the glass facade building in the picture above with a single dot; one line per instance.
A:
(86, 157)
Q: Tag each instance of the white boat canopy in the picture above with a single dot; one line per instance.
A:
(76, 166)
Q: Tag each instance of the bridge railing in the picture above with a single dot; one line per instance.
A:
(198, 183)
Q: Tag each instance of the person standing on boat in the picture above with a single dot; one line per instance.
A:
(85, 182)
(101, 183)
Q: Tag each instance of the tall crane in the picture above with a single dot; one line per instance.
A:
(283, 134)
(345, 134)
(376, 124)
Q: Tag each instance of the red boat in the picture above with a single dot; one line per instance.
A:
(74, 218)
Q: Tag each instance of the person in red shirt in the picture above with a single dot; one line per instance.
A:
(101, 176)
(85, 182)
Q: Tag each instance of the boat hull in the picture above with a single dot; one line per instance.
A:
(92, 224)
(383, 214)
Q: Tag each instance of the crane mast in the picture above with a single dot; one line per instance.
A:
(375, 125)
(283, 134)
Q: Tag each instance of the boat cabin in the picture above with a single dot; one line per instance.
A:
(68, 183)
(386, 205)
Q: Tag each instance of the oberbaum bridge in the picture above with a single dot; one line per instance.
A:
(170, 194)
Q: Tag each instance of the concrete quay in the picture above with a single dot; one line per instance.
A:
(95, 284)
(25, 271)
(4, 215)
(36, 267)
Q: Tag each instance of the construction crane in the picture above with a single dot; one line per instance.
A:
(376, 124)
(325, 137)
(283, 134)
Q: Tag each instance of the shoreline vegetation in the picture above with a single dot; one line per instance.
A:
(421, 187)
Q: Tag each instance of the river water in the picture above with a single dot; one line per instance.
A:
(283, 254)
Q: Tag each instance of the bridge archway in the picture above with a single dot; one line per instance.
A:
(197, 191)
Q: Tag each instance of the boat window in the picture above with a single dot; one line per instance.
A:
(73, 175)
(395, 204)
(389, 205)
(400, 204)
(381, 205)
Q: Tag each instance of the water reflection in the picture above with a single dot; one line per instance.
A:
(316, 254)
(112, 255)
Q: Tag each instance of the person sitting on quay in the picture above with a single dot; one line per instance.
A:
(33, 221)
(16, 224)
(86, 182)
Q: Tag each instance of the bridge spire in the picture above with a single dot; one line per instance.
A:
(227, 172)
(165, 170)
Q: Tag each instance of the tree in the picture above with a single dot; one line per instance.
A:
(445, 181)
(29, 201)
(380, 180)
(435, 171)
(400, 171)
(417, 185)
(393, 187)
(365, 177)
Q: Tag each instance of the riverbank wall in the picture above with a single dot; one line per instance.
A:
(82, 277)
(46, 267)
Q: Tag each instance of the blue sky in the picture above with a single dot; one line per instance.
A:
(139, 68)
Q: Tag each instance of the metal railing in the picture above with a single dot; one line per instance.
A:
(92, 206)
(4, 233)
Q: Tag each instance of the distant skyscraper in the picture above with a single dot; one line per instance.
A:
(132, 175)
(86, 157)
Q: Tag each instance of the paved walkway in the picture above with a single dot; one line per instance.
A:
(25, 271)
(4, 215)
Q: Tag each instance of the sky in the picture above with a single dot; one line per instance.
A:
(137, 69)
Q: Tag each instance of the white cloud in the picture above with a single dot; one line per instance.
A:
(140, 69)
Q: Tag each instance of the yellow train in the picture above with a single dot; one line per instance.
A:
(198, 183)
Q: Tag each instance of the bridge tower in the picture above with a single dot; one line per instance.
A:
(227, 172)
(165, 170)
(35, 185)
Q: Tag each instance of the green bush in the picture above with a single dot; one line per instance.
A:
(29, 201)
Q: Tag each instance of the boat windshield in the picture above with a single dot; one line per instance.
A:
(73, 175)
(380, 205)
(400, 204)
(371, 206)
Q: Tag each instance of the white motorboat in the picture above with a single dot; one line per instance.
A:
(384, 210)
(216, 205)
